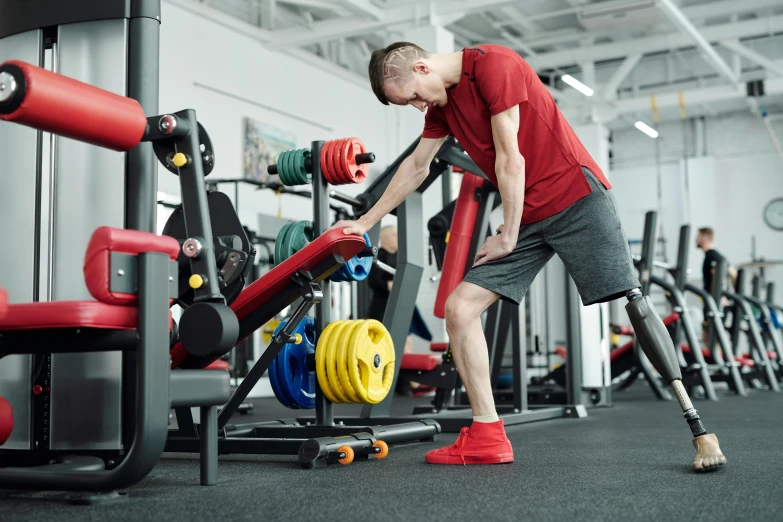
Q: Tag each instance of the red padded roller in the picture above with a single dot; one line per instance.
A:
(3, 303)
(6, 420)
(456, 257)
(50, 102)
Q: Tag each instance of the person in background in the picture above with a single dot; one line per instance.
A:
(704, 241)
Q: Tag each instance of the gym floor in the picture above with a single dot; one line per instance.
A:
(629, 462)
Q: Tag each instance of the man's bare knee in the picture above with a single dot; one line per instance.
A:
(459, 313)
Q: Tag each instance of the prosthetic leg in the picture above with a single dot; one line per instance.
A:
(657, 345)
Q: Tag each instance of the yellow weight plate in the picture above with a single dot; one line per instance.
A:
(320, 361)
(341, 351)
(372, 352)
(332, 346)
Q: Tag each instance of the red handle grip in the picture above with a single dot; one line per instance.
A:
(50, 102)
(456, 256)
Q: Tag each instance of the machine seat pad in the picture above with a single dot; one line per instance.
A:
(68, 314)
(419, 361)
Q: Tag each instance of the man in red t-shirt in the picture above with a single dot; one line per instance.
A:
(555, 200)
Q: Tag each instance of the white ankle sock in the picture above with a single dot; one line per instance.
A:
(486, 418)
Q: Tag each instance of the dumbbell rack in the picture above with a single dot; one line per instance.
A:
(315, 441)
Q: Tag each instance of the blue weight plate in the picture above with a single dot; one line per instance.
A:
(296, 382)
(358, 268)
(274, 382)
(274, 375)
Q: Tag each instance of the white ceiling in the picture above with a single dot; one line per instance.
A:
(627, 50)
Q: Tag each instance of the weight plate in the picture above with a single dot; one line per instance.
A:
(296, 381)
(321, 361)
(332, 361)
(273, 381)
(371, 353)
(343, 363)
(323, 158)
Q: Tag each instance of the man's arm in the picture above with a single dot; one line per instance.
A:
(510, 171)
(409, 176)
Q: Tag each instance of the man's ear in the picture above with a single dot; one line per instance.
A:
(421, 68)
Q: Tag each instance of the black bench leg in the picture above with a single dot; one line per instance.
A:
(209, 446)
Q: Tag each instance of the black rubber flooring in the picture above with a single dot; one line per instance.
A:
(628, 462)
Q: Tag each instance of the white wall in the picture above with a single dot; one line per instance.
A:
(226, 76)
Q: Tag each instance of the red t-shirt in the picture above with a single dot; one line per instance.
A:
(495, 78)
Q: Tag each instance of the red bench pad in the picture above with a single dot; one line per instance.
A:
(220, 364)
(69, 314)
(419, 361)
(3, 303)
(6, 420)
(439, 347)
(263, 289)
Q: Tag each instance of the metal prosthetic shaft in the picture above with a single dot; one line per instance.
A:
(657, 345)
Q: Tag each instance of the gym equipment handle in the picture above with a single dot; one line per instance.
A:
(50, 102)
(361, 159)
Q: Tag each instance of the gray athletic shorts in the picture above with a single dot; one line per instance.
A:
(589, 239)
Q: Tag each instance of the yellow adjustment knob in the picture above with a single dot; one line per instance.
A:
(448, 236)
(179, 160)
(196, 281)
(297, 338)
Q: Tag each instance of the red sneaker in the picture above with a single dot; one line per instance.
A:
(482, 443)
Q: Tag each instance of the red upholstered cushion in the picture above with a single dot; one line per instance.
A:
(68, 314)
(419, 361)
(219, 364)
(97, 260)
(3, 303)
(259, 292)
(439, 347)
(748, 363)
(622, 350)
(772, 354)
(6, 420)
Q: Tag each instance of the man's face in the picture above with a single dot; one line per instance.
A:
(700, 239)
(422, 91)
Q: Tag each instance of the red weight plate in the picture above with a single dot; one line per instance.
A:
(324, 163)
(338, 161)
(358, 172)
(328, 170)
(337, 174)
(346, 159)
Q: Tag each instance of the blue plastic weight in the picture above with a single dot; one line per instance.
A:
(356, 269)
(273, 381)
(295, 381)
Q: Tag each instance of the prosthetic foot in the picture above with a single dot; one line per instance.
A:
(657, 346)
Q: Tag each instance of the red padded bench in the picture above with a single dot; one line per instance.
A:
(112, 310)
(267, 296)
(419, 361)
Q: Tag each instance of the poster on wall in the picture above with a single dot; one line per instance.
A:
(263, 144)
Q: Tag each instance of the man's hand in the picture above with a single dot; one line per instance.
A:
(493, 248)
(351, 227)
